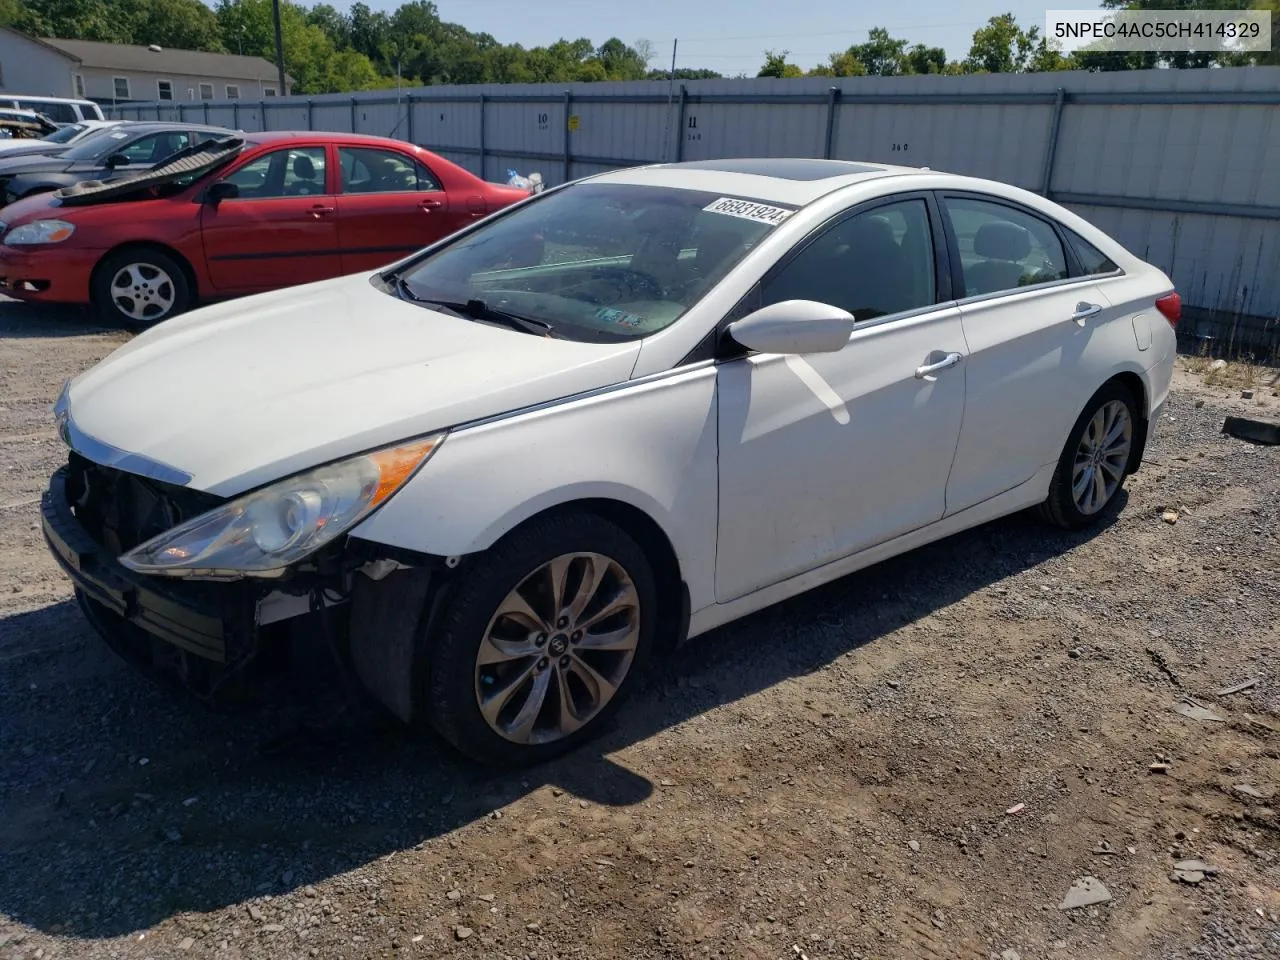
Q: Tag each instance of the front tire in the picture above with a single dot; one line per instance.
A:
(539, 643)
(139, 288)
(1095, 460)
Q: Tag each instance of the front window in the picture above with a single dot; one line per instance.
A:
(287, 172)
(597, 261)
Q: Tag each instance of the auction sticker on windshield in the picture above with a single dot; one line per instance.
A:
(747, 210)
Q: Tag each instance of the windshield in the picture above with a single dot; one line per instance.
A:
(97, 148)
(597, 261)
(66, 133)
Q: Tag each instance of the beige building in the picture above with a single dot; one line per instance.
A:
(114, 73)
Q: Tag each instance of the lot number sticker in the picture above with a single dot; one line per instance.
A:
(759, 212)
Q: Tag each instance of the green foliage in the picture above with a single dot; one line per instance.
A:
(326, 50)
(1004, 47)
(776, 65)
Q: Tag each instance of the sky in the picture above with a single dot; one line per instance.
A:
(730, 36)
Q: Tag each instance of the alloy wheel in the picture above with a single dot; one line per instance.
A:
(558, 648)
(1101, 457)
(143, 292)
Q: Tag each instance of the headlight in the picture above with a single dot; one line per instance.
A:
(39, 231)
(262, 533)
(62, 412)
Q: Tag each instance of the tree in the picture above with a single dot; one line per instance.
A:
(335, 24)
(922, 59)
(882, 55)
(179, 24)
(309, 54)
(620, 62)
(645, 51)
(846, 64)
(1003, 47)
(326, 50)
(684, 73)
(776, 65)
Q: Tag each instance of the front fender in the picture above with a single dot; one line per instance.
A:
(650, 444)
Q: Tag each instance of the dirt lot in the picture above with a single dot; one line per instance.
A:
(917, 761)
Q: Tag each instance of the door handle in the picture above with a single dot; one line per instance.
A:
(429, 205)
(1085, 310)
(320, 210)
(946, 363)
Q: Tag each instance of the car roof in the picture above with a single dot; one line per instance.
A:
(149, 126)
(277, 136)
(792, 180)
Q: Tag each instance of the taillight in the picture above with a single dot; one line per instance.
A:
(1171, 306)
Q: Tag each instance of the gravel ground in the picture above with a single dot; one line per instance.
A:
(917, 761)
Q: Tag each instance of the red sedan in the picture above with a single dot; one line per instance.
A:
(248, 214)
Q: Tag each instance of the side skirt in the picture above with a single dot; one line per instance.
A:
(1025, 495)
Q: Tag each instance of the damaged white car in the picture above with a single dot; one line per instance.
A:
(616, 415)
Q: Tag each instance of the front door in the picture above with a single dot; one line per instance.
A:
(282, 228)
(389, 206)
(825, 455)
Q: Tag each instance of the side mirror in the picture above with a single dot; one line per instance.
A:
(222, 190)
(116, 160)
(794, 326)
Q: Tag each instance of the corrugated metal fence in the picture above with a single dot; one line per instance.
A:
(1182, 166)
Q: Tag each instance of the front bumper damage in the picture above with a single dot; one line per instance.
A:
(366, 606)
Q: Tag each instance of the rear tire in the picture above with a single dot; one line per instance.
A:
(519, 671)
(1095, 461)
(139, 288)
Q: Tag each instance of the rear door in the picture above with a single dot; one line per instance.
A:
(281, 230)
(389, 205)
(1040, 343)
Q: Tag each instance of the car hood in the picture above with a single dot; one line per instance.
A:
(10, 149)
(29, 208)
(37, 163)
(232, 396)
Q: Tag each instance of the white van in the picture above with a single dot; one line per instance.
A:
(58, 109)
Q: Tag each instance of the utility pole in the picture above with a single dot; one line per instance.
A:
(275, 16)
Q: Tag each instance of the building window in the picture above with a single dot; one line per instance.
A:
(268, 91)
(206, 91)
(233, 91)
(78, 81)
(121, 87)
(164, 89)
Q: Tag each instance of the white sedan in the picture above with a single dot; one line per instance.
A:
(495, 476)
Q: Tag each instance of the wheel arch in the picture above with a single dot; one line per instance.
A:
(1134, 383)
(173, 253)
(639, 524)
(673, 592)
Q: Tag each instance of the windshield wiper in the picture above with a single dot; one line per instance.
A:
(477, 309)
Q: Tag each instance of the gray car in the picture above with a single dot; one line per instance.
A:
(131, 147)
